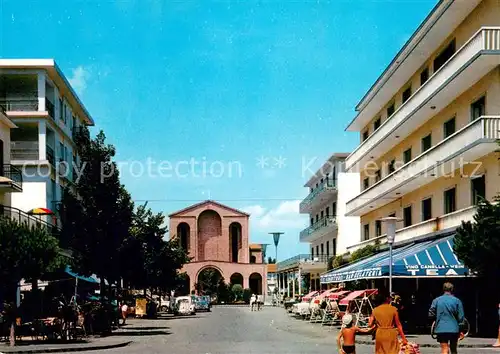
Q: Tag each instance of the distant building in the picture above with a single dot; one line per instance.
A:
(216, 237)
(329, 232)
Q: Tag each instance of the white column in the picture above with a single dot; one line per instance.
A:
(42, 140)
(293, 284)
(300, 282)
(288, 283)
(41, 92)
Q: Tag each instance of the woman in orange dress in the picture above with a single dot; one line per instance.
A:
(385, 319)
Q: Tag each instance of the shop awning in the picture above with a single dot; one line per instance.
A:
(90, 279)
(433, 258)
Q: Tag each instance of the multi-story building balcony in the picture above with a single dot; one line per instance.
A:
(319, 229)
(466, 145)
(25, 218)
(11, 179)
(324, 192)
(307, 262)
(478, 56)
(442, 224)
(24, 150)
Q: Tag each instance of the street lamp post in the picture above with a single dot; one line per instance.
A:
(391, 235)
(276, 239)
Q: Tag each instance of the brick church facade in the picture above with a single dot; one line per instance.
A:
(216, 236)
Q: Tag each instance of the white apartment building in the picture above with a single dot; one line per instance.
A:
(39, 100)
(329, 231)
(428, 130)
(11, 179)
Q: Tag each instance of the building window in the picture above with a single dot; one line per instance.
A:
(406, 94)
(449, 127)
(366, 183)
(62, 156)
(407, 155)
(366, 232)
(445, 54)
(378, 176)
(327, 249)
(334, 209)
(322, 214)
(312, 252)
(424, 76)
(390, 167)
(377, 123)
(327, 211)
(61, 109)
(478, 108)
(312, 221)
(426, 143)
(322, 249)
(378, 228)
(478, 185)
(450, 200)
(390, 110)
(392, 215)
(365, 135)
(334, 244)
(426, 209)
(317, 217)
(407, 216)
(317, 251)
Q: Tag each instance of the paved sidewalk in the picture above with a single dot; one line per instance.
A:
(99, 343)
(290, 324)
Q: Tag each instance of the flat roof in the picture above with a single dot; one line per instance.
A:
(337, 156)
(56, 75)
(434, 29)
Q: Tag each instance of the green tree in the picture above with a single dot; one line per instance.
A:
(147, 259)
(247, 294)
(208, 281)
(477, 243)
(25, 253)
(237, 291)
(104, 209)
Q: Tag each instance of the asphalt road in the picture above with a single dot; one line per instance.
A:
(235, 330)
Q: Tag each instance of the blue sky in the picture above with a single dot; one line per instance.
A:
(224, 83)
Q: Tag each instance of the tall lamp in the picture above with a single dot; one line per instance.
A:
(276, 239)
(391, 235)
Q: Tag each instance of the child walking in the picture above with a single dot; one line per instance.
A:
(348, 334)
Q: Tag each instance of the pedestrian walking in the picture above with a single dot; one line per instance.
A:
(497, 343)
(348, 335)
(448, 313)
(385, 321)
(124, 312)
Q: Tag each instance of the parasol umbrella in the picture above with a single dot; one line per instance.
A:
(40, 211)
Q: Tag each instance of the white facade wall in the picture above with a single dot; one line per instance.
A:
(349, 232)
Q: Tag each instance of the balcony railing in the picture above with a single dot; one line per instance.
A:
(24, 218)
(49, 106)
(472, 142)
(24, 150)
(302, 259)
(328, 184)
(422, 229)
(23, 105)
(76, 131)
(14, 174)
(322, 223)
(469, 64)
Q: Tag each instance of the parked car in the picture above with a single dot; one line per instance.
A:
(184, 305)
(202, 303)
